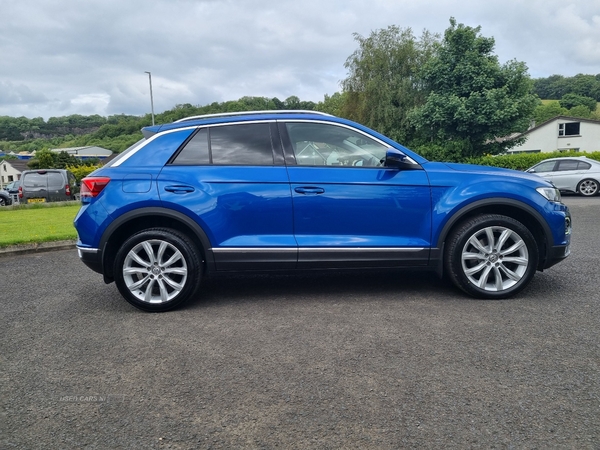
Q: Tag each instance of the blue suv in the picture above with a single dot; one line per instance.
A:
(302, 190)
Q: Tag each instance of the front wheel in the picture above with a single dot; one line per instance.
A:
(491, 256)
(588, 188)
(157, 269)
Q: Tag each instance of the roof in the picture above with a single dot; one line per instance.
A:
(89, 150)
(18, 164)
(237, 117)
(543, 124)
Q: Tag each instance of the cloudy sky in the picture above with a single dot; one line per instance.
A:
(62, 57)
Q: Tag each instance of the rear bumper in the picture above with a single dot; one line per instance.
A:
(91, 257)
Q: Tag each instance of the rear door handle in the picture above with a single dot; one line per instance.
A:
(309, 190)
(178, 189)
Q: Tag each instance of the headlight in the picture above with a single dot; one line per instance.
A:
(551, 194)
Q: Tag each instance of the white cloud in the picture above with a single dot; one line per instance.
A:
(61, 58)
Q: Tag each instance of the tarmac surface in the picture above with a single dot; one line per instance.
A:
(329, 360)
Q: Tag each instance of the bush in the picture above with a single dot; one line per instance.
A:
(81, 172)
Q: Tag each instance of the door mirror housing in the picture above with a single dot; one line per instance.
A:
(396, 159)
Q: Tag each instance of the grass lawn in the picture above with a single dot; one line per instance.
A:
(38, 223)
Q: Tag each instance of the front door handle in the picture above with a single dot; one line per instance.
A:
(309, 190)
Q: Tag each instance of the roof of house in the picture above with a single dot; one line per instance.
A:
(543, 124)
(18, 164)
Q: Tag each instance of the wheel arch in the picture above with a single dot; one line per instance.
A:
(132, 222)
(525, 214)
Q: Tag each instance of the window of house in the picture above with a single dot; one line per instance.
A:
(568, 129)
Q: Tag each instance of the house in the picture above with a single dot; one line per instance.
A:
(562, 133)
(11, 169)
(88, 152)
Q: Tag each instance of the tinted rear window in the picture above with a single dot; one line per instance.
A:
(34, 180)
(248, 144)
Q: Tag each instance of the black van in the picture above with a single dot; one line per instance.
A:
(47, 185)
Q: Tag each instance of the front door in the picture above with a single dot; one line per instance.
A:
(349, 210)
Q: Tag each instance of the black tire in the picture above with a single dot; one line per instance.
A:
(168, 277)
(486, 271)
(3, 202)
(587, 187)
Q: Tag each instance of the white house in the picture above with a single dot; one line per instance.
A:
(561, 133)
(10, 170)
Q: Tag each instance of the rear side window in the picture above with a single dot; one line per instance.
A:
(239, 144)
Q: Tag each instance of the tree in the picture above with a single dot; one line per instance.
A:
(45, 158)
(383, 84)
(571, 100)
(473, 101)
(547, 111)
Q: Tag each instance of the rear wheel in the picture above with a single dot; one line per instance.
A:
(157, 269)
(588, 188)
(491, 256)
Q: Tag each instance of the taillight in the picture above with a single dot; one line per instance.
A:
(20, 192)
(92, 186)
(67, 190)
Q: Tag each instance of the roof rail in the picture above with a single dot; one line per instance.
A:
(244, 113)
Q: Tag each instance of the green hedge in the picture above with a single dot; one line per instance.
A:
(523, 161)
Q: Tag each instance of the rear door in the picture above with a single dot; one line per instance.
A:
(56, 187)
(35, 187)
(349, 210)
(232, 180)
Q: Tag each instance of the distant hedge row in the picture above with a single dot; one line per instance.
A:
(523, 161)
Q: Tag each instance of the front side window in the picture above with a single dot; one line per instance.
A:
(317, 144)
(546, 166)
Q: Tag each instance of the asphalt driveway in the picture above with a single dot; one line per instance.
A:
(332, 360)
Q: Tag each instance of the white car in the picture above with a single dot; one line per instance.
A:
(571, 174)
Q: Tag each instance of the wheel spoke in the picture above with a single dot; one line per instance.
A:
(469, 255)
(513, 248)
(149, 289)
(498, 276)
(475, 269)
(138, 259)
(509, 273)
(475, 243)
(484, 277)
(149, 251)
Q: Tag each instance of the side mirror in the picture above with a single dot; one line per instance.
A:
(531, 171)
(395, 158)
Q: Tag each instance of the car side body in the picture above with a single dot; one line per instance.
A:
(577, 174)
(325, 193)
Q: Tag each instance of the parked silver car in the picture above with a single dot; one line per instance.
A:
(571, 174)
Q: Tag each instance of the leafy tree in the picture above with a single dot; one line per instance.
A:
(571, 100)
(383, 84)
(547, 111)
(44, 159)
(333, 104)
(474, 100)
